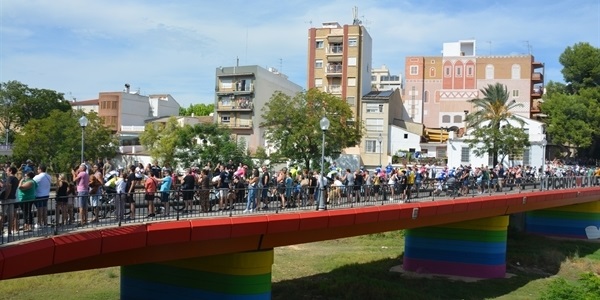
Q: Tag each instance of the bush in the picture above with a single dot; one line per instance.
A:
(587, 287)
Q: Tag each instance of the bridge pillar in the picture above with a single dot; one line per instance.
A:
(474, 248)
(579, 221)
(231, 276)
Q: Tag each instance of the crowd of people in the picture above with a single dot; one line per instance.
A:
(233, 183)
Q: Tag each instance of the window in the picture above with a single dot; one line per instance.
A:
(373, 124)
(526, 157)
(447, 71)
(352, 61)
(319, 44)
(352, 42)
(351, 81)
(426, 96)
(351, 100)
(225, 118)
(373, 78)
(458, 72)
(458, 119)
(432, 72)
(516, 71)
(515, 93)
(489, 72)
(374, 108)
(464, 154)
(226, 83)
(445, 119)
(372, 146)
(470, 71)
(318, 63)
(406, 136)
(414, 70)
(318, 82)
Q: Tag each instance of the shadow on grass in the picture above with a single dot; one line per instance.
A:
(529, 258)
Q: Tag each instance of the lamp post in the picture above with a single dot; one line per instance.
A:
(324, 123)
(83, 122)
(380, 139)
(544, 143)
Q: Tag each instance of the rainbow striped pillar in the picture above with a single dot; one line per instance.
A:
(580, 221)
(235, 276)
(474, 248)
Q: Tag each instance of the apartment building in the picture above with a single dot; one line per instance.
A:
(127, 112)
(339, 61)
(241, 92)
(437, 88)
(383, 80)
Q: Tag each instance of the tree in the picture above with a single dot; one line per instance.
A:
(203, 143)
(19, 104)
(581, 66)
(56, 140)
(493, 111)
(161, 140)
(197, 110)
(292, 125)
(574, 119)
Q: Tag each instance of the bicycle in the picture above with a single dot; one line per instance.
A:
(106, 205)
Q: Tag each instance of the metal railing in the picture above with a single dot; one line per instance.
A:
(25, 220)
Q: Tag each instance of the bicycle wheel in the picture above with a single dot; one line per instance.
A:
(176, 201)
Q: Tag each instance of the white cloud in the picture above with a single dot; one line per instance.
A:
(85, 47)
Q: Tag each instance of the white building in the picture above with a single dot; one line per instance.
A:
(459, 152)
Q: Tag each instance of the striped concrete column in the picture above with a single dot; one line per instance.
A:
(579, 221)
(239, 276)
(472, 249)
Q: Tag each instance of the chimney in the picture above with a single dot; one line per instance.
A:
(127, 88)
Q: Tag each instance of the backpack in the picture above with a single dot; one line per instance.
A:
(410, 177)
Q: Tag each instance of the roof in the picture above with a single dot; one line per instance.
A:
(85, 102)
(378, 95)
(412, 127)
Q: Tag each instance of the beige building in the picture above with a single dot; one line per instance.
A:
(339, 61)
(437, 88)
(241, 92)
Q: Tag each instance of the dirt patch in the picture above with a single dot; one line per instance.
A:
(401, 270)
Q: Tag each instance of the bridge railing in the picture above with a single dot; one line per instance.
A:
(55, 216)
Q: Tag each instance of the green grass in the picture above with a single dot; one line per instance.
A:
(359, 268)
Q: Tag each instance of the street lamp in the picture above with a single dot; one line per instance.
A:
(324, 123)
(380, 139)
(83, 122)
(544, 143)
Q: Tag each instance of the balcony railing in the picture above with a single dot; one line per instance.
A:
(131, 149)
(536, 76)
(236, 105)
(246, 124)
(132, 128)
(334, 69)
(335, 50)
(334, 89)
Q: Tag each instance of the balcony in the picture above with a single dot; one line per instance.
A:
(537, 92)
(132, 128)
(334, 69)
(536, 106)
(335, 50)
(334, 89)
(237, 124)
(537, 77)
(237, 89)
(537, 65)
(235, 105)
(131, 149)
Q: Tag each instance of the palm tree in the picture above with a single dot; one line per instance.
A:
(491, 111)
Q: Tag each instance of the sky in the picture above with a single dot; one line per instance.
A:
(81, 48)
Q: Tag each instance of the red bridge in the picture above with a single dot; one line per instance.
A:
(231, 257)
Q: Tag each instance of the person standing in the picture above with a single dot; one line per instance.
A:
(264, 185)
(42, 194)
(165, 188)
(25, 194)
(82, 178)
(252, 189)
(204, 191)
(62, 198)
(96, 184)
(150, 187)
(131, 182)
(188, 185)
(10, 187)
(120, 197)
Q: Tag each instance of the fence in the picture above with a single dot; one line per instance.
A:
(26, 220)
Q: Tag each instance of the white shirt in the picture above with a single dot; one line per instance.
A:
(121, 186)
(43, 184)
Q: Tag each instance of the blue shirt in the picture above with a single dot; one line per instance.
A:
(166, 184)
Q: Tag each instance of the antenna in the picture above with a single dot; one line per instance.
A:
(528, 47)
(355, 20)
(281, 65)
(309, 23)
(490, 46)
